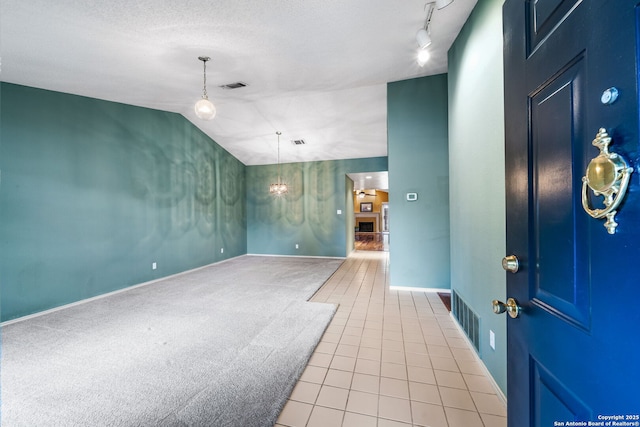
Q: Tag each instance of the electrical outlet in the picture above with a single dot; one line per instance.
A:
(492, 339)
(221, 250)
(296, 246)
(339, 211)
(154, 265)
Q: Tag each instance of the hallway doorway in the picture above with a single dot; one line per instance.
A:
(371, 230)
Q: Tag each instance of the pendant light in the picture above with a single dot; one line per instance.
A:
(205, 108)
(279, 188)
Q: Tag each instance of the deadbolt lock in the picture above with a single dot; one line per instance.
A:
(511, 263)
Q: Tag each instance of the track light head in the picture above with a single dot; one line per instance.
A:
(423, 38)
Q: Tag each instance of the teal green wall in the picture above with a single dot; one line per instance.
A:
(307, 215)
(93, 192)
(418, 162)
(476, 152)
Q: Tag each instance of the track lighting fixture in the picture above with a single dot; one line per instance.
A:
(423, 36)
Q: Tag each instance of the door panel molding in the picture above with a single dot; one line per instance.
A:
(544, 17)
(560, 244)
(553, 400)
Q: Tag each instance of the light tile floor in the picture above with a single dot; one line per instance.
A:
(389, 359)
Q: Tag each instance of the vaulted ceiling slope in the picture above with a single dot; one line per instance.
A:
(315, 70)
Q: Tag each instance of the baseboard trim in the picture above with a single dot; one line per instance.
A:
(299, 256)
(105, 295)
(497, 388)
(408, 288)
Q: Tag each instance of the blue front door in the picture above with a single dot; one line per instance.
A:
(574, 350)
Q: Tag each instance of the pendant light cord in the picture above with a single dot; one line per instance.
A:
(278, 133)
(204, 87)
(204, 60)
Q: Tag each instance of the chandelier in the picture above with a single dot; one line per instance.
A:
(279, 188)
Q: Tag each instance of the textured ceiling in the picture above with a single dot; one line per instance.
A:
(316, 69)
(370, 180)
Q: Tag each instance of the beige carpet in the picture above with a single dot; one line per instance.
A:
(222, 346)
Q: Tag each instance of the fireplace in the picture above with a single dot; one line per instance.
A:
(367, 222)
(365, 227)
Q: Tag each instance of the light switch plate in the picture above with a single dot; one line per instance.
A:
(412, 197)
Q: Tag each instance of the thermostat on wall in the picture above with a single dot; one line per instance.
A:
(412, 197)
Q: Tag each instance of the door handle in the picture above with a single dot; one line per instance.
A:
(510, 307)
(607, 175)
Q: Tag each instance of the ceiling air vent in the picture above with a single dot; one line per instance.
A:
(236, 85)
(298, 142)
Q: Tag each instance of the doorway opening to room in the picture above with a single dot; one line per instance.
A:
(371, 231)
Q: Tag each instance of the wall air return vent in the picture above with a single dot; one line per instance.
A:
(298, 142)
(467, 319)
(236, 85)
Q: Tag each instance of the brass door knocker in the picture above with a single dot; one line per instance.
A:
(607, 175)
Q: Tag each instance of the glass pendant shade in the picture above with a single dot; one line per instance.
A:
(205, 109)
